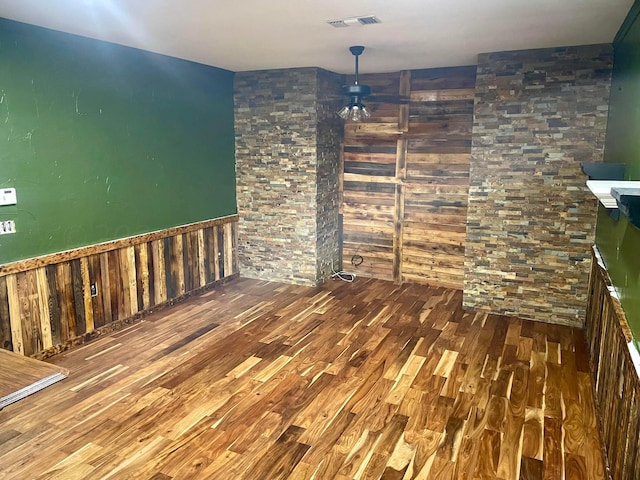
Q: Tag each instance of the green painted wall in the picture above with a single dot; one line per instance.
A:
(103, 141)
(619, 242)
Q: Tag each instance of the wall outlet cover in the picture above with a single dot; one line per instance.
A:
(8, 196)
(8, 226)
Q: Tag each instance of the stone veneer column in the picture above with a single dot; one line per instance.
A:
(329, 136)
(287, 161)
(531, 221)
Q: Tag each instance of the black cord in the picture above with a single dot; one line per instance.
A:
(357, 260)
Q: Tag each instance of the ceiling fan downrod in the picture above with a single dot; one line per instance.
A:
(356, 51)
(356, 89)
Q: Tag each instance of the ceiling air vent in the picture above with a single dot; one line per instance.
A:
(360, 21)
(369, 20)
(338, 23)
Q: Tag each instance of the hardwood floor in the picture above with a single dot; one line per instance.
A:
(22, 376)
(367, 380)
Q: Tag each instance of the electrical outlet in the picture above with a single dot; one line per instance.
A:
(94, 290)
(8, 226)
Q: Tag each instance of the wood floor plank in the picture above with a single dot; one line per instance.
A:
(259, 380)
(22, 376)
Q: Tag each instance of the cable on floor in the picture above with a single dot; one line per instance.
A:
(342, 275)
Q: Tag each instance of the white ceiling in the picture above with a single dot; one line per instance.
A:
(263, 34)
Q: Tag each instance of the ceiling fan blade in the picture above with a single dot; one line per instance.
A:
(382, 98)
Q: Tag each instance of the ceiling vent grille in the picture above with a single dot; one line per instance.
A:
(369, 20)
(338, 23)
(360, 21)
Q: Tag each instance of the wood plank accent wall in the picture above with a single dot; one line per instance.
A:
(46, 303)
(406, 177)
(615, 368)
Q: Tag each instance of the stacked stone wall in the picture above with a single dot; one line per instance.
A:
(538, 115)
(286, 175)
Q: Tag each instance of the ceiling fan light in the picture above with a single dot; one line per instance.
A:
(355, 114)
(344, 112)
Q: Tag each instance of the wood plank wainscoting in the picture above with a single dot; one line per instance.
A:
(405, 177)
(616, 368)
(47, 303)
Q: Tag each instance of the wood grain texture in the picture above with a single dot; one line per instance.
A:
(143, 275)
(50, 307)
(65, 319)
(615, 379)
(405, 178)
(68, 255)
(21, 376)
(13, 308)
(5, 318)
(259, 380)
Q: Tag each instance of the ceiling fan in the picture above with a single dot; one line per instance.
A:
(355, 110)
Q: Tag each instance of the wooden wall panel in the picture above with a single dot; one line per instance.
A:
(86, 294)
(115, 286)
(159, 272)
(616, 374)
(128, 259)
(405, 177)
(13, 300)
(176, 265)
(144, 275)
(105, 287)
(210, 246)
(54, 306)
(29, 311)
(65, 316)
(79, 321)
(43, 304)
(367, 227)
(228, 247)
(202, 255)
(235, 234)
(192, 254)
(222, 254)
(5, 323)
(97, 302)
(47, 304)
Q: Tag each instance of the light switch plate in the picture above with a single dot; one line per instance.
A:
(8, 226)
(8, 196)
